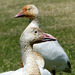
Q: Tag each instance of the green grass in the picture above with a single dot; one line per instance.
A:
(57, 18)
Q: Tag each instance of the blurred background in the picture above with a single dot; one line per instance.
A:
(57, 18)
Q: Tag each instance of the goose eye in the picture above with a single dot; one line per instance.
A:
(35, 31)
(29, 9)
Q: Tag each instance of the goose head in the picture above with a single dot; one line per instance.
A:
(29, 11)
(35, 35)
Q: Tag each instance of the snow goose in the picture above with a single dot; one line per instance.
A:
(33, 61)
(53, 54)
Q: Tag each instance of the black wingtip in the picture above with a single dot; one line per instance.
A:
(69, 64)
(68, 68)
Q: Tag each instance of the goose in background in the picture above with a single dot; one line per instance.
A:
(33, 61)
(54, 55)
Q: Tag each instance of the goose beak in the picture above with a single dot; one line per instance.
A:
(47, 37)
(21, 14)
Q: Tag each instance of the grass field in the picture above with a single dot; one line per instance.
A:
(57, 18)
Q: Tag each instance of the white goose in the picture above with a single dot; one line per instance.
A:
(54, 55)
(33, 61)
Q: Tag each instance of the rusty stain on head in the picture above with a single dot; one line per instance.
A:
(29, 11)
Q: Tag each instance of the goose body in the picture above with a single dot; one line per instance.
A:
(53, 54)
(55, 59)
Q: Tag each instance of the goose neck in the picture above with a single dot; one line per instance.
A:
(34, 21)
(26, 49)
